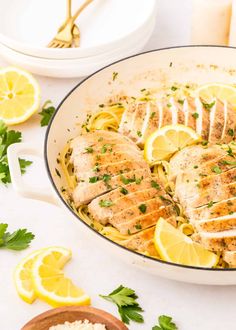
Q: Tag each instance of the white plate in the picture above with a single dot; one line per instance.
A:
(104, 25)
(75, 67)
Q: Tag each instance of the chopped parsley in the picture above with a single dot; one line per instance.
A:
(93, 179)
(195, 166)
(138, 180)
(114, 75)
(181, 102)
(208, 106)
(227, 162)
(143, 90)
(105, 148)
(170, 65)
(195, 115)
(101, 105)
(174, 88)
(230, 132)
(152, 114)
(155, 185)
(89, 150)
(230, 151)
(106, 178)
(216, 169)
(139, 133)
(105, 203)
(204, 143)
(130, 180)
(210, 204)
(143, 208)
(169, 105)
(138, 226)
(124, 191)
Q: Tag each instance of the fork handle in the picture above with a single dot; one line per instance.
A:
(84, 5)
(68, 9)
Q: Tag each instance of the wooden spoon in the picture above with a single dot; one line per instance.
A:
(74, 313)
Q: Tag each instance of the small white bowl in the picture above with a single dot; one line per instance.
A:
(70, 68)
(27, 26)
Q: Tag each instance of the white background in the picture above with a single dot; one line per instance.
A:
(192, 307)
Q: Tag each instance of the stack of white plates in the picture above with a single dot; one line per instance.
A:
(110, 30)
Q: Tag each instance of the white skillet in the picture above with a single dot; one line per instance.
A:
(198, 64)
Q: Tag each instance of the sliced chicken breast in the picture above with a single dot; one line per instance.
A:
(125, 197)
(85, 191)
(230, 258)
(223, 223)
(217, 122)
(145, 221)
(192, 156)
(229, 132)
(213, 210)
(220, 241)
(153, 121)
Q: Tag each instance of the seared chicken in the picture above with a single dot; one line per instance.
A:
(215, 122)
(116, 182)
(207, 191)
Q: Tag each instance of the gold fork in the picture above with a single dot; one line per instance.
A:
(64, 37)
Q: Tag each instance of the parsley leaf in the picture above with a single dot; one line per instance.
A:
(124, 191)
(142, 208)
(23, 164)
(195, 115)
(216, 169)
(154, 184)
(114, 75)
(47, 111)
(165, 323)
(8, 137)
(208, 106)
(126, 301)
(105, 203)
(18, 240)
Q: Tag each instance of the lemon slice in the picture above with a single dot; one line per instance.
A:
(22, 278)
(19, 95)
(223, 92)
(164, 142)
(174, 246)
(49, 281)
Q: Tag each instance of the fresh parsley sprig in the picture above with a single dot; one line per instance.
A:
(8, 137)
(18, 240)
(126, 301)
(165, 323)
(47, 111)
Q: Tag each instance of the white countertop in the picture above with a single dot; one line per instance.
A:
(192, 307)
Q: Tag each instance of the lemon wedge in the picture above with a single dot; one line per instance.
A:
(19, 95)
(49, 281)
(164, 142)
(223, 92)
(23, 280)
(174, 246)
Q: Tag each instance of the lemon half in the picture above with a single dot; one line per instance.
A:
(19, 95)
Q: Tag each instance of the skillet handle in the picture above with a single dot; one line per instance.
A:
(13, 153)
